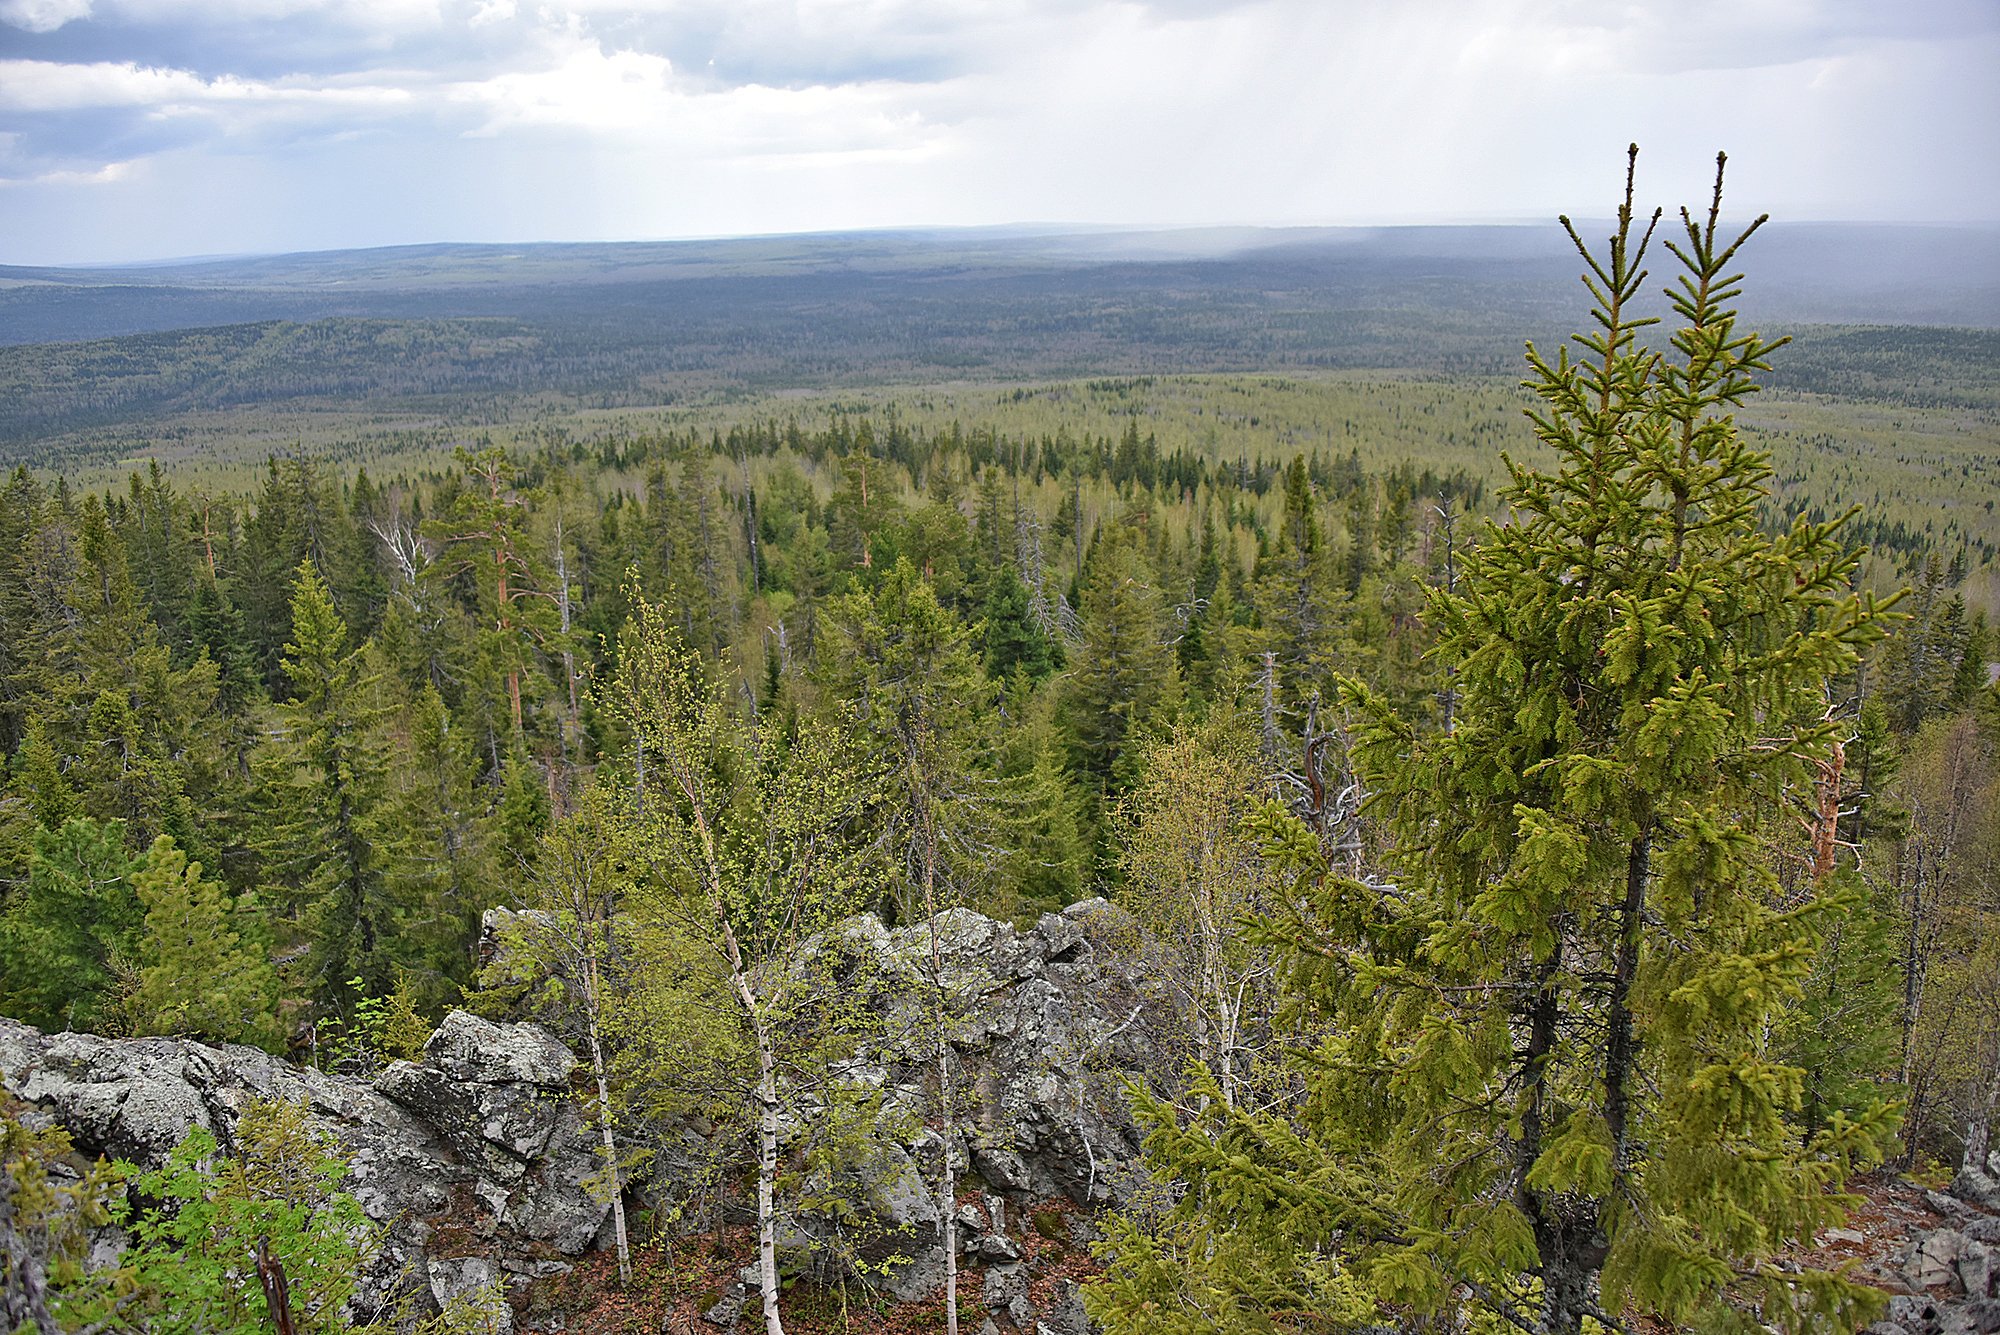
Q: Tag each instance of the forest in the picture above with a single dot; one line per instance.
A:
(1578, 865)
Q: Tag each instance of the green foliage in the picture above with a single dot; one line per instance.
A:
(49, 1203)
(1546, 1075)
(908, 664)
(379, 1030)
(76, 918)
(1015, 641)
(1125, 671)
(203, 970)
(1841, 1031)
(329, 832)
(195, 1252)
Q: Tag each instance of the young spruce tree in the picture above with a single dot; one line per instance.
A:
(1546, 1088)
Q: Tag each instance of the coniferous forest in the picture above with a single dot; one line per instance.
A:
(1573, 874)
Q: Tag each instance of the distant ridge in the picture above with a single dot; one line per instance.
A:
(1803, 272)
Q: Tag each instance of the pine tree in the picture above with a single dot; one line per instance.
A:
(1547, 1088)
(484, 536)
(200, 974)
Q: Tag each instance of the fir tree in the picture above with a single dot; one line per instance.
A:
(1123, 665)
(1013, 639)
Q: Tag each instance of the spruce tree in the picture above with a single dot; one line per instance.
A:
(1124, 664)
(75, 918)
(330, 836)
(1547, 1088)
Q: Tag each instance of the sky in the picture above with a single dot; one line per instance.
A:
(149, 129)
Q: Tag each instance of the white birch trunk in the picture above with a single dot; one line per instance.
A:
(767, 1178)
(609, 1145)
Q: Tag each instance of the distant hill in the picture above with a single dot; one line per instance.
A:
(1804, 273)
(453, 329)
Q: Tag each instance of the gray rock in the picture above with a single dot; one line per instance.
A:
(1933, 1259)
(487, 1087)
(918, 1277)
(1004, 1284)
(475, 1282)
(995, 1247)
(727, 1310)
(482, 1139)
(1950, 1207)
(1981, 1189)
(1973, 1318)
(1985, 1228)
(1975, 1266)
(1915, 1312)
(503, 1164)
(1065, 1315)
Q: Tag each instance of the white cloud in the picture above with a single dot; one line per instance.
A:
(108, 174)
(42, 15)
(379, 15)
(603, 118)
(45, 86)
(630, 94)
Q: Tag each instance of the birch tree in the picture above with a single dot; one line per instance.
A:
(572, 894)
(750, 842)
(1192, 873)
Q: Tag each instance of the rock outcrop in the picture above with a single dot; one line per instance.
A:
(472, 1159)
(476, 1161)
(1950, 1274)
(1047, 1027)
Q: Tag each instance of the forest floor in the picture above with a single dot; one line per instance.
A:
(670, 1290)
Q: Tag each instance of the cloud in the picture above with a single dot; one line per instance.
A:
(414, 119)
(108, 174)
(42, 15)
(45, 86)
(634, 95)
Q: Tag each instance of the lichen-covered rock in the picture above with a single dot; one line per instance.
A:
(485, 1153)
(497, 1092)
(1047, 1027)
(478, 1287)
(475, 1157)
(1979, 1188)
(1933, 1259)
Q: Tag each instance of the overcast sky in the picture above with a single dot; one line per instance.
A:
(136, 129)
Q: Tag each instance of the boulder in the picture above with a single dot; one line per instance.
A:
(1973, 1318)
(476, 1159)
(1975, 1266)
(1933, 1259)
(473, 1282)
(1977, 1187)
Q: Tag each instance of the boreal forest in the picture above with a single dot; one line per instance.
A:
(1340, 830)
